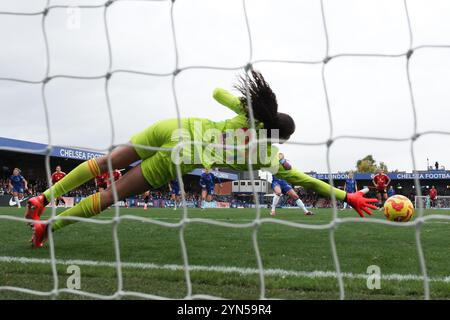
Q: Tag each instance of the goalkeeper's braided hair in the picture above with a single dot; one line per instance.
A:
(264, 104)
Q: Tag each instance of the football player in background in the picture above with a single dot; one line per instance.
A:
(101, 181)
(146, 199)
(117, 174)
(56, 176)
(433, 196)
(207, 183)
(175, 193)
(381, 182)
(391, 191)
(350, 186)
(281, 187)
(17, 184)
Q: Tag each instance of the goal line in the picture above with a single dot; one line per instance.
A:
(222, 269)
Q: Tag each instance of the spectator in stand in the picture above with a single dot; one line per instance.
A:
(436, 165)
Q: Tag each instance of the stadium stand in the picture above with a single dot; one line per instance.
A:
(33, 168)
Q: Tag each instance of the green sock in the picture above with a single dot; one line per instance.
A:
(87, 208)
(78, 176)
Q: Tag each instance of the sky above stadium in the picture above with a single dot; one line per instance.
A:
(368, 96)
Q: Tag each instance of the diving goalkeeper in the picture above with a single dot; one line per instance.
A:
(156, 144)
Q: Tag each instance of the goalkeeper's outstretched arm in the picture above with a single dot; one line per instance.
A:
(229, 100)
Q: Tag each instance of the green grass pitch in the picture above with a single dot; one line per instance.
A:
(223, 259)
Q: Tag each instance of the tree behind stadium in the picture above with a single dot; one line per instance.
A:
(369, 165)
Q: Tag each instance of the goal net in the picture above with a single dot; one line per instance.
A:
(403, 60)
(441, 202)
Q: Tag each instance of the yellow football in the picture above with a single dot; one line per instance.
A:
(398, 208)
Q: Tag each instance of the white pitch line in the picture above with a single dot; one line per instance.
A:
(314, 222)
(222, 269)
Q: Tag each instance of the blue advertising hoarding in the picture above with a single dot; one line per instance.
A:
(79, 154)
(40, 148)
(219, 174)
(422, 175)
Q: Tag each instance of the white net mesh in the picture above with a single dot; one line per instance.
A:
(185, 220)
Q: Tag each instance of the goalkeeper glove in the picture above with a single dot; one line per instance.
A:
(359, 203)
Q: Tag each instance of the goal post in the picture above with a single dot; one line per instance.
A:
(441, 202)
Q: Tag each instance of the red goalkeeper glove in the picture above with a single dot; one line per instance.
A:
(359, 203)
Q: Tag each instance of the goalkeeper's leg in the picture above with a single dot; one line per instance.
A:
(121, 157)
(132, 183)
